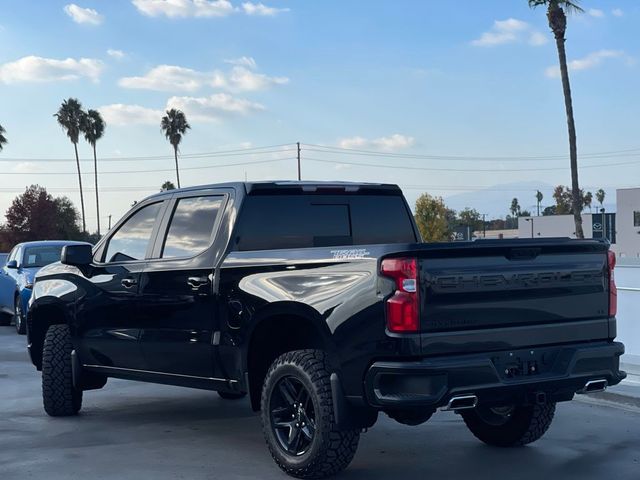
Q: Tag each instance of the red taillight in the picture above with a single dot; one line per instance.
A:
(613, 290)
(403, 307)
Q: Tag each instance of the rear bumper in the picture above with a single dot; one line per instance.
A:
(496, 378)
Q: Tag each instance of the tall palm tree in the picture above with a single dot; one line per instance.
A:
(3, 139)
(69, 117)
(600, 196)
(558, 24)
(93, 127)
(539, 197)
(174, 125)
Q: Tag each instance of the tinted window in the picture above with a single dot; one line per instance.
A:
(131, 240)
(191, 226)
(636, 219)
(298, 221)
(41, 256)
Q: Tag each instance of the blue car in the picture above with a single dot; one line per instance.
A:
(16, 278)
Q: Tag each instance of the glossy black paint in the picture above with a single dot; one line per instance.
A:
(191, 321)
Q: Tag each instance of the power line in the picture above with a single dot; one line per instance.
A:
(127, 172)
(465, 170)
(220, 153)
(352, 151)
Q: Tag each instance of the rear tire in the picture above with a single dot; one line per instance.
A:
(231, 395)
(503, 428)
(298, 417)
(60, 397)
(18, 316)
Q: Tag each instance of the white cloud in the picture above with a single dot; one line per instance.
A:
(83, 15)
(121, 114)
(594, 12)
(213, 107)
(617, 12)
(40, 69)
(536, 39)
(171, 78)
(510, 30)
(184, 8)
(251, 8)
(117, 54)
(248, 62)
(392, 142)
(166, 78)
(592, 60)
(26, 167)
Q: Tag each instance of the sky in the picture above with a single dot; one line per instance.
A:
(440, 97)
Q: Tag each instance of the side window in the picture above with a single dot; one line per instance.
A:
(636, 219)
(131, 240)
(191, 226)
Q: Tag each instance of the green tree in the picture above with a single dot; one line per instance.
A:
(93, 127)
(174, 125)
(432, 217)
(600, 196)
(166, 186)
(470, 217)
(3, 139)
(36, 215)
(539, 197)
(588, 200)
(557, 19)
(70, 117)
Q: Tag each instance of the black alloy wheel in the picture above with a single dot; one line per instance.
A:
(293, 417)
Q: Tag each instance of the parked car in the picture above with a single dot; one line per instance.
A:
(3, 259)
(16, 277)
(318, 301)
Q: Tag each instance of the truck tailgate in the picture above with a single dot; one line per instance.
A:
(511, 285)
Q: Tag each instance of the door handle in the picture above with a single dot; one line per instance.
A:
(197, 282)
(129, 282)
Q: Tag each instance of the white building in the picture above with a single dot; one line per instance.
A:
(628, 222)
(553, 226)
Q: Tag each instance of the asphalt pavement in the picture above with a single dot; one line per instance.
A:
(143, 431)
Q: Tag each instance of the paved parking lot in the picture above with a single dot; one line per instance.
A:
(139, 431)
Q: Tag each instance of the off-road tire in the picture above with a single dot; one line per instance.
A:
(331, 449)
(59, 396)
(18, 317)
(231, 395)
(525, 425)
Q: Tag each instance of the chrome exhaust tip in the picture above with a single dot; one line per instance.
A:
(461, 402)
(594, 386)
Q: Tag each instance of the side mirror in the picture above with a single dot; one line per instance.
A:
(77, 255)
(13, 264)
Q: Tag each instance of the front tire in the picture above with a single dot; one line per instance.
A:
(513, 426)
(60, 397)
(298, 419)
(18, 316)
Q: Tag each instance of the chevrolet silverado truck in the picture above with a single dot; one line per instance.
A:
(319, 302)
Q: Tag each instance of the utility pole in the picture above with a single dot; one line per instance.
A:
(484, 225)
(299, 175)
(109, 222)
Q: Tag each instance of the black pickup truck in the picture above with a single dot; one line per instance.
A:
(318, 301)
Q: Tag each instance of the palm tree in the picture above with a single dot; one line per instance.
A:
(588, 200)
(166, 186)
(539, 198)
(174, 125)
(3, 139)
(69, 117)
(600, 195)
(93, 128)
(558, 23)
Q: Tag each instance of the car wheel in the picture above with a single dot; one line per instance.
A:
(60, 397)
(18, 316)
(510, 426)
(298, 418)
(232, 395)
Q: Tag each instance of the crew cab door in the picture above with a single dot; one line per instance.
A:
(107, 310)
(177, 296)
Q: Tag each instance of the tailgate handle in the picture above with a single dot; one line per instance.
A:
(523, 253)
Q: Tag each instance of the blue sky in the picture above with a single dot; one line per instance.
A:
(450, 79)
